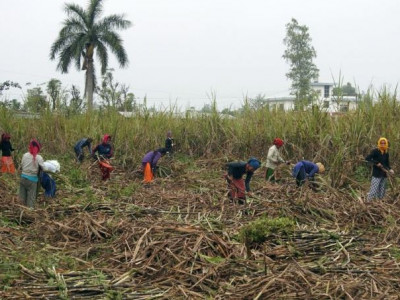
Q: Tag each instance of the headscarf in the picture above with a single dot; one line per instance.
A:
(106, 137)
(321, 167)
(34, 148)
(254, 162)
(383, 148)
(278, 142)
(5, 137)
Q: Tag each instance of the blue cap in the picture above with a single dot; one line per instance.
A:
(254, 162)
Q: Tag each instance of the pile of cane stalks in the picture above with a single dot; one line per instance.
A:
(181, 237)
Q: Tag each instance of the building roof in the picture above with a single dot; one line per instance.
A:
(321, 84)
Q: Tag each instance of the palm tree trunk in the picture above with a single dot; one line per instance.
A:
(89, 86)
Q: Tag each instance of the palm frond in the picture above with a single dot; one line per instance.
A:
(114, 22)
(65, 59)
(114, 42)
(102, 55)
(75, 10)
(74, 25)
(94, 10)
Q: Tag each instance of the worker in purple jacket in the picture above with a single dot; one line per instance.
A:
(305, 169)
(149, 163)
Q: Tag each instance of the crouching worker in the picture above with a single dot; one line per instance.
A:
(104, 152)
(237, 186)
(31, 161)
(149, 163)
(78, 148)
(306, 170)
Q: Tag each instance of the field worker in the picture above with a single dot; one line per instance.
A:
(306, 169)
(104, 151)
(381, 167)
(7, 163)
(273, 159)
(237, 186)
(78, 148)
(30, 163)
(149, 163)
(169, 142)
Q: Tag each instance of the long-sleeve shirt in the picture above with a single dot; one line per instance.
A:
(309, 167)
(6, 148)
(237, 170)
(103, 149)
(83, 143)
(29, 166)
(273, 157)
(376, 157)
(151, 157)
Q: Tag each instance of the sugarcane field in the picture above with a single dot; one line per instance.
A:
(199, 150)
(183, 234)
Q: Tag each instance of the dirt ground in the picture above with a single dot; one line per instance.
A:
(177, 238)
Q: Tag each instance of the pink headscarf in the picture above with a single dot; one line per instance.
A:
(106, 138)
(34, 148)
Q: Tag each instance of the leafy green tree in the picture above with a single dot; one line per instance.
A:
(228, 111)
(76, 102)
(84, 34)
(299, 54)
(6, 85)
(13, 104)
(109, 91)
(128, 99)
(258, 102)
(54, 90)
(115, 94)
(346, 90)
(35, 100)
(207, 108)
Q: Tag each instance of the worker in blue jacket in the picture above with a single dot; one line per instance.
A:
(305, 169)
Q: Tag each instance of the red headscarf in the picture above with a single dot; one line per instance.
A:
(278, 142)
(5, 137)
(34, 148)
(106, 138)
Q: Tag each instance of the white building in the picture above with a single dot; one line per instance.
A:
(324, 99)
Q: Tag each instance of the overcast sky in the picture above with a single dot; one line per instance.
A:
(183, 51)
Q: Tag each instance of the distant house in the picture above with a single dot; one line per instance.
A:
(324, 99)
(285, 103)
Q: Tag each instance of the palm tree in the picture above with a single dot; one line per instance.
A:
(85, 33)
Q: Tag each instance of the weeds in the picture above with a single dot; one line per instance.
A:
(258, 231)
